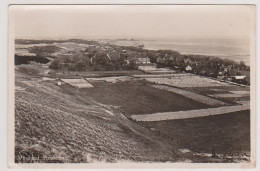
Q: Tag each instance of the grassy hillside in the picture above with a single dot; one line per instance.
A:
(57, 126)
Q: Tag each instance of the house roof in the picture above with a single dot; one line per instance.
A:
(240, 77)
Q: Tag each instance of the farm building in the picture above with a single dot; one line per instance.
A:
(220, 73)
(58, 83)
(188, 68)
(226, 69)
(239, 77)
(127, 61)
(236, 73)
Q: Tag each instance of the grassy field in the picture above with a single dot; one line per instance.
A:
(211, 91)
(87, 125)
(137, 97)
(228, 133)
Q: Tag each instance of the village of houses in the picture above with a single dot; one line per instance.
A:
(157, 90)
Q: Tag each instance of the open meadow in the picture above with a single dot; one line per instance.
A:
(227, 135)
(137, 97)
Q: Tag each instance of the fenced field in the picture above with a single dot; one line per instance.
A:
(187, 80)
(78, 83)
(191, 95)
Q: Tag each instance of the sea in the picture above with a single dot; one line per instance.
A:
(233, 48)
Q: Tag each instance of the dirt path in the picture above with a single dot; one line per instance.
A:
(190, 113)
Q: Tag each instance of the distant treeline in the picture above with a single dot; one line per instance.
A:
(125, 59)
(99, 57)
(199, 64)
(112, 57)
(96, 61)
(27, 59)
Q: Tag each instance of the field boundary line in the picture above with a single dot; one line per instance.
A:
(190, 113)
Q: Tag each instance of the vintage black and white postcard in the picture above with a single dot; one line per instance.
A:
(132, 85)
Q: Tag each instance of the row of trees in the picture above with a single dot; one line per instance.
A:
(96, 61)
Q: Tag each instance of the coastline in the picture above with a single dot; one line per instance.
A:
(232, 50)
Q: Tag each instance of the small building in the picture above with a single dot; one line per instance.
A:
(220, 73)
(239, 77)
(188, 68)
(143, 61)
(127, 61)
(226, 69)
(58, 83)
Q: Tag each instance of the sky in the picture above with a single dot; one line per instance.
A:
(130, 21)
